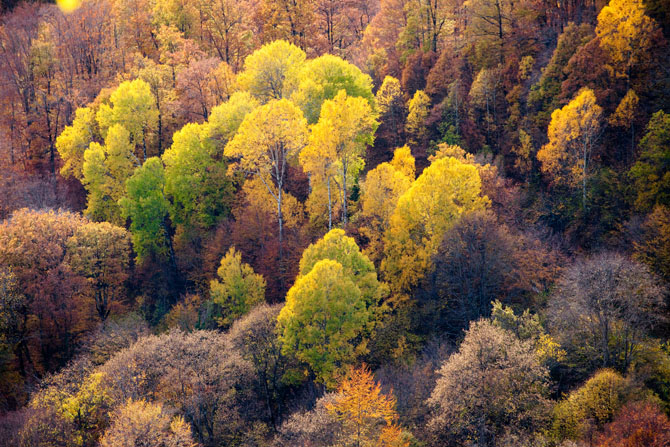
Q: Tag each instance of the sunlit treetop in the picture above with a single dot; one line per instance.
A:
(68, 6)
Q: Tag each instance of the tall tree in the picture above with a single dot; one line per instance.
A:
(346, 126)
(147, 208)
(132, 105)
(105, 171)
(268, 139)
(493, 383)
(603, 308)
(237, 290)
(572, 133)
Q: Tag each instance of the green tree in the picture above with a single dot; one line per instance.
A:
(74, 140)
(196, 183)
(324, 77)
(147, 208)
(323, 319)
(337, 246)
(105, 171)
(237, 290)
(651, 172)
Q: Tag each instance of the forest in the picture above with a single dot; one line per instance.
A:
(335, 223)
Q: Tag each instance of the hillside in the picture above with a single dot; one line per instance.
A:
(320, 223)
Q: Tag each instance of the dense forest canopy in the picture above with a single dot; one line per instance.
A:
(317, 223)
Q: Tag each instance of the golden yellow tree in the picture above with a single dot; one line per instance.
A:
(418, 109)
(381, 190)
(266, 141)
(625, 32)
(572, 134)
(446, 190)
(345, 127)
(624, 116)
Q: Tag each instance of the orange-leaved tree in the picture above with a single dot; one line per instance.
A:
(368, 415)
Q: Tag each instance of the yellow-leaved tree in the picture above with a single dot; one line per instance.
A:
(381, 190)
(572, 134)
(268, 139)
(626, 33)
(446, 190)
(337, 145)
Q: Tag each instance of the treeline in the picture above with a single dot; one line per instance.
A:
(316, 222)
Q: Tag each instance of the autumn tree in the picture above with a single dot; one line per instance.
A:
(592, 405)
(337, 246)
(625, 116)
(391, 105)
(478, 260)
(494, 382)
(271, 71)
(367, 414)
(132, 106)
(255, 336)
(323, 319)
(337, 144)
(196, 181)
(626, 33)
(105, 171)
(418, 108)
(380, 192)
(638, 424)
(653, 249)
(651, 172)
(268, 139)
(322, 78)
(572, 135)
(602, 309)
(100, 253)
(445, 191)
(238, 288)
(34, 245)
(225, 120)
(199, 375)
(74, 140)
(143, 423)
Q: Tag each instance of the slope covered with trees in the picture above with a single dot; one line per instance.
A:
(283, 223)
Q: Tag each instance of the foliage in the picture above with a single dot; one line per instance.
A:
(650, 173)
(146, 206)
(322, 78)
(144, 423)
(601, 310)
(445, 191)
(572, 133)
(323, 320)
(367, 415)
(238, 289)
(493, 382)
